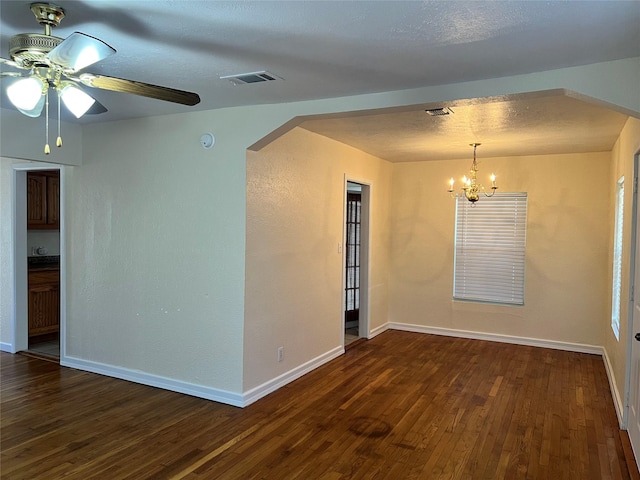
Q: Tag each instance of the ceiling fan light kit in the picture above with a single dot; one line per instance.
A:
(76, 100)
(55, 63)
(25, 93)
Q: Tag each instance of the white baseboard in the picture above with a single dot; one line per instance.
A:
(6, 347)
(201, 391)
(272, 385)
(251, 396)
(209, 393)
(378, 330)
(617, 400)
(494, 337)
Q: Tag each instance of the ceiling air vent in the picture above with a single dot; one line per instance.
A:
(437, 112)
(252, 77)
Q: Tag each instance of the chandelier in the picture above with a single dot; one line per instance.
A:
(470, 186)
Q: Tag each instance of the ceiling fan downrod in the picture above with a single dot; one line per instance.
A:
(30, 49)
(48, 15)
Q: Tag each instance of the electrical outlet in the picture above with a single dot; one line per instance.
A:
(280, 353)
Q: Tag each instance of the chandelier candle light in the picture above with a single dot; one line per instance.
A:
(470, 185)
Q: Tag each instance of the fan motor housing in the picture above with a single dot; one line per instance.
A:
(28, 49)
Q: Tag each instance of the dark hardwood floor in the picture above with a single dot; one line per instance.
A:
(400, 406)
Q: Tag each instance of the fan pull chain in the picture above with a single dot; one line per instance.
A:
(47, 150)
(59, 139)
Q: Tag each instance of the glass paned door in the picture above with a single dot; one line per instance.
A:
(352, 288)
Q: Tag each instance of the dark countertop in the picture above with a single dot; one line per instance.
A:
(48, 262)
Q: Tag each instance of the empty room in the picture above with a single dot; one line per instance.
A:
(319, 240)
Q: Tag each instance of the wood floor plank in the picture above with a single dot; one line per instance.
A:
(401, 406)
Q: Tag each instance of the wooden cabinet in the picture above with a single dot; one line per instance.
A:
(43, 200)
(44, 301)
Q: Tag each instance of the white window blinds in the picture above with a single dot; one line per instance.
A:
(617, 260)
(490, 249)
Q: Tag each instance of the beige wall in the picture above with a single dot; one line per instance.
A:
(6, 254)
(568, 229)
(23, 137)
(156, 230)
(293, 269)
(154, 233)
(627, 146)
(295, 207)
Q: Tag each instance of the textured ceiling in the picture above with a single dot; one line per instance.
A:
(526, 124)
(329, 48)
(324, 49)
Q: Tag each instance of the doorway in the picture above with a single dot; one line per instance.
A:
(356, 261)
(38, 327)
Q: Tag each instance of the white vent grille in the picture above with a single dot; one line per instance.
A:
(438, 112)
(252, 77)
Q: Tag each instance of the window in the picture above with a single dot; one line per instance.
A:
(489, 249)
(617, 260)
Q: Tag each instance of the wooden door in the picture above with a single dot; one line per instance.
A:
(43, 200)
(53, 200)
(44, 309)
(36, 200)
(44, 302)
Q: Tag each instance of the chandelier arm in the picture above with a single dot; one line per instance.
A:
(493, 192)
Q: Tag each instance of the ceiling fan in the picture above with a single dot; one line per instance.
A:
(54, 63)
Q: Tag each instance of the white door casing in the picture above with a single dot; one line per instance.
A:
(365, 254)
(633, 424)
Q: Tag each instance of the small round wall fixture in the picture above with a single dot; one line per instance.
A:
(207, 140)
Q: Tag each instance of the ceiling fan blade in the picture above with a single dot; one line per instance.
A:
(96, 109)
(139, 88)
(10, 63)
(78, 51)
(10, 74)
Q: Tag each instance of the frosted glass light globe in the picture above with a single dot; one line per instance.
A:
(25, 93)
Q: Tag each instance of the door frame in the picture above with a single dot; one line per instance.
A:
(365, 255)
(633, 257)
(20, 322)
